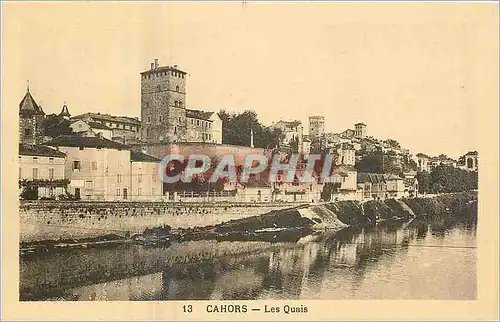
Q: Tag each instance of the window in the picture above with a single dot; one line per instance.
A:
(35, 173)
(120, 163)
(209, 125)
(51, 173)
(180, 103)
(161, 118)
(51, 160)
(139, 191)
(27, 132)
(153, 177)
(149, 119)
(94, 165)
(158, 87)
(180, 119)
(81, 148)
(198, 122)
(118, 191)
(192, 121)
(139, 178)
(20, 173)
(176, 104)
(77, 165)
(35, 159)
(119, 178)
(89, 185)
(177, 88)
(153, 191)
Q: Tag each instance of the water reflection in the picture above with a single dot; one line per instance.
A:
(423, 259)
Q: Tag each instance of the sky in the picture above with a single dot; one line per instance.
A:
(414, 72)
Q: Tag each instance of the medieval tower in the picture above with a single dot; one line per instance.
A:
(163, 104)
(31, 117)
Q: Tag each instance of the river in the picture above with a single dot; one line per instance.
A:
(424, 259)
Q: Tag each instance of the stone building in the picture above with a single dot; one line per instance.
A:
(164, 115)
(163, 104)
(203, 127)
(379, 186)
(31, 118)
(292, 132)
(124, 128)
(423, 162)
(89, 128)
(316, 126)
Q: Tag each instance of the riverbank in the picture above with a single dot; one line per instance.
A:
(286, 224)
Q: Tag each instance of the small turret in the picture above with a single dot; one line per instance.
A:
(64, 112)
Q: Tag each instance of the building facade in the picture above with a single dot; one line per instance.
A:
(98, 168)
(316, 126)
(31, 118)
(89, 128)
(122, 127)
(163, 104)
(423, 162)
(145, 182)
(203, 127)
(292, 131)
(42, 168)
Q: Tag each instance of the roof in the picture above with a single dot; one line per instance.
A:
(99, 126)
(472, 153)
(163, 69)
(360, 124)
(376, 177)
(109, 118)
(64, 111)
(344, 167)
(39, 150)
(197, 114)
(28, 105)
(256, 183)
(410, 181)
(87, 142)
(142, 157)
(421, 155)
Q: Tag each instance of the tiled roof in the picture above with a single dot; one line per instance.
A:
(164, 68)
(39, 150)
(376, 177)
(472, 153)
(87, 142)
(421, 155)
(28, 105)
(197, 114)
(99, 126)
(109, 118)
(142, 157)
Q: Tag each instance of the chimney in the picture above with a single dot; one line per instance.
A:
(156, 62)
(175, 66)
(152, 66)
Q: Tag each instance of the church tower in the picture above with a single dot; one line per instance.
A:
(163, 104)
(31, 117)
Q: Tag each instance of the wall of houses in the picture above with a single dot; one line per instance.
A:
(98, 174)
(145, 183)
(43, 168)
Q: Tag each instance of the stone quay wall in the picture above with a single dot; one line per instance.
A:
(55, 220)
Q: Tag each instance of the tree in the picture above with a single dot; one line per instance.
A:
(237, 128)
(393, 143)
(54, 126)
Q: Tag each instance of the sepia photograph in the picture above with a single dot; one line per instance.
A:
(226, 152)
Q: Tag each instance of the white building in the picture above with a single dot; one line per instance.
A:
(42, 167)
